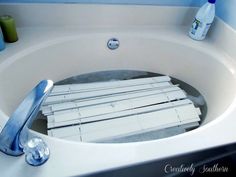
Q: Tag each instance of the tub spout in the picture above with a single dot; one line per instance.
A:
(16, 138)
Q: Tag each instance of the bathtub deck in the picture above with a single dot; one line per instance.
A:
(105, 111)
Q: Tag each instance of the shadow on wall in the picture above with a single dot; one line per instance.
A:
(226, 11)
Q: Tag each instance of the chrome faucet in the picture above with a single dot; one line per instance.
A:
(16, 138)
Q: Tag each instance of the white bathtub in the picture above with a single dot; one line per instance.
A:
(53, 53)
(202, 66)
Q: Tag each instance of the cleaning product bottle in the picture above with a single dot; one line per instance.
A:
(203, 21)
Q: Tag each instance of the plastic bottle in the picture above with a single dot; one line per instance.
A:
(203, 20)
(2, 43)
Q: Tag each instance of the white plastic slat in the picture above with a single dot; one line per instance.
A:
(98, 111)
(124, 126)
(110, 128)
(75, 118)
(65, 132)
(98, 93)
(121, 105)
(49, 109)
(68, 120)
(190, 125)
(159, 119)
(186, 112)
(62, 89)
(166, 131)
(114, 107)
(140, 101)
(77, 138)
(64, 117)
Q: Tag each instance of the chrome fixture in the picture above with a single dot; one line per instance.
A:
(113, 43)
(16, 138)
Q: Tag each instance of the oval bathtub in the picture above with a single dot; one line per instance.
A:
(202, 66)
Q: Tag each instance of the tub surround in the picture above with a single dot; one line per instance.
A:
(78, 18)
(223, 37)
(92, 15)
(96, 16)
(44, 29)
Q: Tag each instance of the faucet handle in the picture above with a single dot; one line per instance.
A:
(36, 151)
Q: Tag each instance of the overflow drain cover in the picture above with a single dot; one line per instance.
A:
(113, 43)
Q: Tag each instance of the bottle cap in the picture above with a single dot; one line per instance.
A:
(212, 1)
